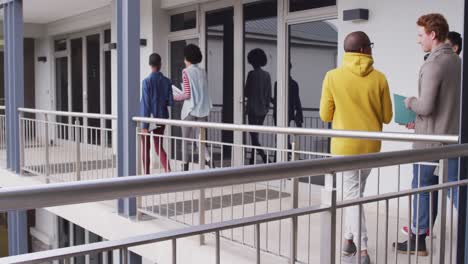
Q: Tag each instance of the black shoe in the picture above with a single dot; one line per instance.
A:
(208, 164)
(186, 167)
(420, 251)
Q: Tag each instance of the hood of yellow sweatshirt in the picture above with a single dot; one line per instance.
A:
(358, 63)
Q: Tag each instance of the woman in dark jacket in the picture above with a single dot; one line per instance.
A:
(258, 94)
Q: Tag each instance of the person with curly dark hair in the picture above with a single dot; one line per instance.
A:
(196, 98)
(257, 90)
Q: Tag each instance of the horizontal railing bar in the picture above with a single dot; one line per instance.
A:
(304, 109)
(62, 253)
(69, 114)
(392, 136)
(159, 237)
(19, 198)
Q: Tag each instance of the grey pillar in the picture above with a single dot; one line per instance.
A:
(131, 258)
(17, 233)
(128, 78)
(462, 238)
(14, 98)
(6, 58)
(14, 77)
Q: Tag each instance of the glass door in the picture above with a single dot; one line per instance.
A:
(177, 65)
(220, 72)
(81, 81)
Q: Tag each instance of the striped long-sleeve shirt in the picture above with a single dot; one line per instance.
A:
(187, 94)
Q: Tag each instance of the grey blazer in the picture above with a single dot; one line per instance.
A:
(438, 104)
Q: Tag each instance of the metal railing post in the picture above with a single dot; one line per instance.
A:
(46, 145)
(78, 149)
(442, 210)
(328, 230)
(22, 146)
(295, 204)
(201, 161)
(138, 167)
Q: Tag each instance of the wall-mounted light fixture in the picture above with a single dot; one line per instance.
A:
(359, 14)
(112, 46)
(42, 59)
(143, 42)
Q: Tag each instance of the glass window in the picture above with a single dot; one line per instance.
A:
(313, 49)
(260, 68)
(184, 21)
(107, 36)
(60, 45)
(299, 5)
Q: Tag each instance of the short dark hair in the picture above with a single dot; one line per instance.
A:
(155, 60)
(257, 58)
(192, 54)
(456, 39)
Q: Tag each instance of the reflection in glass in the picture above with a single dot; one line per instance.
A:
(60, 45)
(260, 33)
(93, 49)
(312, 53)
(258, 94)
(61, 94)
(299, 5)
(184, 21)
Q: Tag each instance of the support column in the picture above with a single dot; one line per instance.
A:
(128, 83)
(238, 104)
(129, 257)
(14, 98)
(462, 237)
(17, 233)
(14, 78)
(282, 80)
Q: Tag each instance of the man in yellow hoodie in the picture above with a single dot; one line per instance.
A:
(355, 96)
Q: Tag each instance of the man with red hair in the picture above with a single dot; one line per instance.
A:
(437, 108)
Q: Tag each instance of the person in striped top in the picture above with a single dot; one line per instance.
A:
(197, 102)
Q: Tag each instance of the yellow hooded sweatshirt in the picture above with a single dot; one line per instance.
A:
(355, 96)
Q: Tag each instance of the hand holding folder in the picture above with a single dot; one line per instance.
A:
(403, 116)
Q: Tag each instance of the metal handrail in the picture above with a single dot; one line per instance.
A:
(312, 167)
(391, 136)
(20, 198)
(75, 251)
(70, 114)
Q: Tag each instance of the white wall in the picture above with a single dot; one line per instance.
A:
(45, 92)
(161, 26)
(46, 228)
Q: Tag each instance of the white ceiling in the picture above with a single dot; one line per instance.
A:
(46, 11)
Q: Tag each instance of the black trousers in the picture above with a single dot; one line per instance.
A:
(256, 120)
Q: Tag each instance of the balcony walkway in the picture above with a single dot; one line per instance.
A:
(96, 217)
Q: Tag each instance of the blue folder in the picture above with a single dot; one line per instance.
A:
(403, 115)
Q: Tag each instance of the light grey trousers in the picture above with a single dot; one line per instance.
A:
(189, 133)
